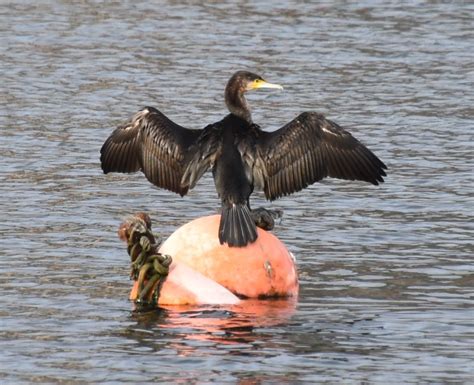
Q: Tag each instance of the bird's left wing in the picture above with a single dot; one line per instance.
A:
(308, 149)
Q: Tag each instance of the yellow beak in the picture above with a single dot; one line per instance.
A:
(259, 83)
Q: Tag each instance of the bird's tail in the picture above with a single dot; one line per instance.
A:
(237, 227)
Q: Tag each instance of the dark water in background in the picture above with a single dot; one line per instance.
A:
(386, 273)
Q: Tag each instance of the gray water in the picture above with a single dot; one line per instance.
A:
(386, 273)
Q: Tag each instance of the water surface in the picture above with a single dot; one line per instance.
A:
(386, 272)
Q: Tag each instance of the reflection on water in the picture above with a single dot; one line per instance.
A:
(220, 325)
(386, 273)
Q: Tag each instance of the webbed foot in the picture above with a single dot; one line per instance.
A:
(264, 218)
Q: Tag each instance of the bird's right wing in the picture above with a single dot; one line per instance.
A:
(152, 143)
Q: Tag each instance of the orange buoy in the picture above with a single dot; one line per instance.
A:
(264, 268)
(185, 286)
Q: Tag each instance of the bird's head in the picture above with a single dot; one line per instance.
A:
(238, 84)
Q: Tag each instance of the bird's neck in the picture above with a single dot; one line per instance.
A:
(237, 105)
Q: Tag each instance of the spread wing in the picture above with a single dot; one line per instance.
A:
(160, 148)
(308, 149)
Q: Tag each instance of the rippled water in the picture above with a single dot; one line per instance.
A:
(386, 272)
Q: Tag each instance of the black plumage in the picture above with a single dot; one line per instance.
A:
(241, 156)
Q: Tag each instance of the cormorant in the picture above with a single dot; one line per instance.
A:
(241, 156)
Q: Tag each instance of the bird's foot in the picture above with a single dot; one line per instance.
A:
(264, 218)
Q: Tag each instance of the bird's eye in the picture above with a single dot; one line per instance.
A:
(257, 80)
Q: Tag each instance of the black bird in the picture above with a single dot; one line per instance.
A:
(241, 156)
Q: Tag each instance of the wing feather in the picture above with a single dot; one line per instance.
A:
(308, 149)
(152, 143)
